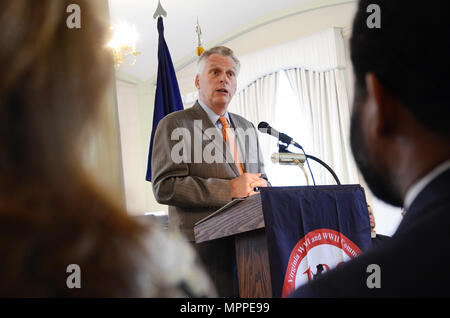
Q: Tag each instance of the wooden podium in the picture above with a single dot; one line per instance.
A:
(244, 221)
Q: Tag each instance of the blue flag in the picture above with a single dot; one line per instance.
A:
(311, 230)
(167, 98)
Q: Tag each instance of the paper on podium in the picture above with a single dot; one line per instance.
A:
(226, 206)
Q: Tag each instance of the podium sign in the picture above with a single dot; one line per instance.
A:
(311, 230)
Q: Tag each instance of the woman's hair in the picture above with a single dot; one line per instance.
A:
(53, 79)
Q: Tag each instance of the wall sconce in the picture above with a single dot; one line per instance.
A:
(123, 44)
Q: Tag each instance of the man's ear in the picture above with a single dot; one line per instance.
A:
(197, 81)
(384, 108)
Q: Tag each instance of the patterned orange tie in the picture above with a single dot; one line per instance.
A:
(229, 139)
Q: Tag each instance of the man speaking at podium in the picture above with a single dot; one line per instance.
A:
(196, 186)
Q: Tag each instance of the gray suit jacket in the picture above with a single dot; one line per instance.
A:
(196, 187)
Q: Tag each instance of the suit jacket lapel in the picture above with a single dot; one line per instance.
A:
(431, 197)
(219, 143)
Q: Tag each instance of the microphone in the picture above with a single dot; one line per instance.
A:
(265, 128)
(287, 158)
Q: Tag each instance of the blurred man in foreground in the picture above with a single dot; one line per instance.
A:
(400, 137)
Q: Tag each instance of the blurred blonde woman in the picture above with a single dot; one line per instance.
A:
(51, 214)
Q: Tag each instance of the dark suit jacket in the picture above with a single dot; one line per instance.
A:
(379, 239)
(414, 262)
(193, 190)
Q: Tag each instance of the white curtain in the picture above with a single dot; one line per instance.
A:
(316, 67)
(256, 103)
(322, 97)
(321, 51)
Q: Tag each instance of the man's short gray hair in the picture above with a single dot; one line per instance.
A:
(222, 50)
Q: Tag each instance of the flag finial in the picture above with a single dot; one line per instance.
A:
(200, 48)
(159, 11)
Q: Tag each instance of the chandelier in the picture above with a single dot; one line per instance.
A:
(123, 44)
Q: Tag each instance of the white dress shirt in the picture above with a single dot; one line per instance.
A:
(418, 186)
(213, 116)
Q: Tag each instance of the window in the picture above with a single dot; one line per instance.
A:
(289, 120)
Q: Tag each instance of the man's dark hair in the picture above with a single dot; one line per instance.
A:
(409, 54)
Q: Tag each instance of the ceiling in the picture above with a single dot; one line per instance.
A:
(281, 31)
(218, 20)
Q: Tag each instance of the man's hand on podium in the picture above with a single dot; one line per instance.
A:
(243, 186)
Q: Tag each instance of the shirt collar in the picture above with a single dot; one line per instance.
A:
(417, 187)
(211, 114)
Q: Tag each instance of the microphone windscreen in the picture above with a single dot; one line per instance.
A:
(263, 125)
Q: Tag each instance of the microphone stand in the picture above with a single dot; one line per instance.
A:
(283, 148)
(303, 169)
(326, 166)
